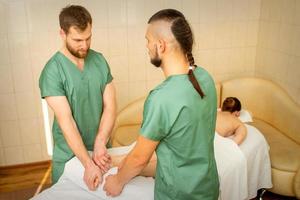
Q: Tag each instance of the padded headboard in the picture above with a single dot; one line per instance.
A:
(129, 121)
(266, 101)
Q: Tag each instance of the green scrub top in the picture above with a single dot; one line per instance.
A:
(184, 124)
(84, 92)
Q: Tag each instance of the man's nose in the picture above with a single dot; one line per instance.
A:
(84, 45)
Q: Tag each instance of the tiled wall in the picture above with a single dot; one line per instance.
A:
(226, 41)
(278, 49)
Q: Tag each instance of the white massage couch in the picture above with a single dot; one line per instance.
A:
(242, 171)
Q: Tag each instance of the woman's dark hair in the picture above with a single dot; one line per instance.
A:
(184, 36)
(74, 15)
(231, 104)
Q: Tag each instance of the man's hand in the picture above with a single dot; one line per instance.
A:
(113, 186)
(92, 175)
(101, 157)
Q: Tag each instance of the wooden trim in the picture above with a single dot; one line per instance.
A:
(29, 175)
(7, 167)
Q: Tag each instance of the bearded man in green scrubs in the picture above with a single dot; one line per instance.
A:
(178, 121)
(77, 84)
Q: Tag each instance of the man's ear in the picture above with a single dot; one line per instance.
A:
(161, 46)
(62, 34)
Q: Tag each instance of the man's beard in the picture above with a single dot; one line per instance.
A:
(156, 61)
(75, 53)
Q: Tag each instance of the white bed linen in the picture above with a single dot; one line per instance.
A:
(256, 150)
(232, 169)
(242, 171)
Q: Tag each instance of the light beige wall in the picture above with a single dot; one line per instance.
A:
(226, 40)
(278, 49)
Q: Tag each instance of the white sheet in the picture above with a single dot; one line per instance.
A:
(242, 171)
(256, 150)
(232, 169)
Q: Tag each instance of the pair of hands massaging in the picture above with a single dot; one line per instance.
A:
(99, 164)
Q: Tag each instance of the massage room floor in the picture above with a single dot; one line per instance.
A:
(12, 181)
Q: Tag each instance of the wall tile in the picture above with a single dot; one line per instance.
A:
(152, 7)
(117, 41)
(137, 67)
(206, 36)
(99, 12)
(117, 13)
(10, 133)
(8, 109)
(207, 11)
(6, 81)
(224, 10)
(293, 72)
(252, 33)
(224, 34)
(22, 77)
(136, 39)
(296, 42)
(3, 17)
(297, 13)
(175, 4)
(239, 34)
(52, 12)
(286, 37)
(119, 68)
(32, 153)
(18, 47)
(190, 9)
(4, 56)
(240, 10)
(275, 11)
(122, 91)
(288, 11)
(222, 61)
(29, 130)
(2, 157)
(36, 15)
(26, 105)
(136, 13)
(137, 89)
(16, 17)
(14, 155)
(206, 59)
(254, 8)
(100, 40)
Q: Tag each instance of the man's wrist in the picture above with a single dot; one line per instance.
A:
(100, 140)
(88, 163)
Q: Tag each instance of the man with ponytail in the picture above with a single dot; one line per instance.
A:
(178, 121)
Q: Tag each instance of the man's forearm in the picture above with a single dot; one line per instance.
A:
(132, 166)
(149, 170)
(106, 125)
(74, 140)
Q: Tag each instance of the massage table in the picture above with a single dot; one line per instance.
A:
(242, 171)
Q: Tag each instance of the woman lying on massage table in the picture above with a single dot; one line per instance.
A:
(228, 123)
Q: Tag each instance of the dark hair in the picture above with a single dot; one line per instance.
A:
(74, 15)
(184, 36)
(231, 104)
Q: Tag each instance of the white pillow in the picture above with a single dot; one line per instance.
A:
(245, 116)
